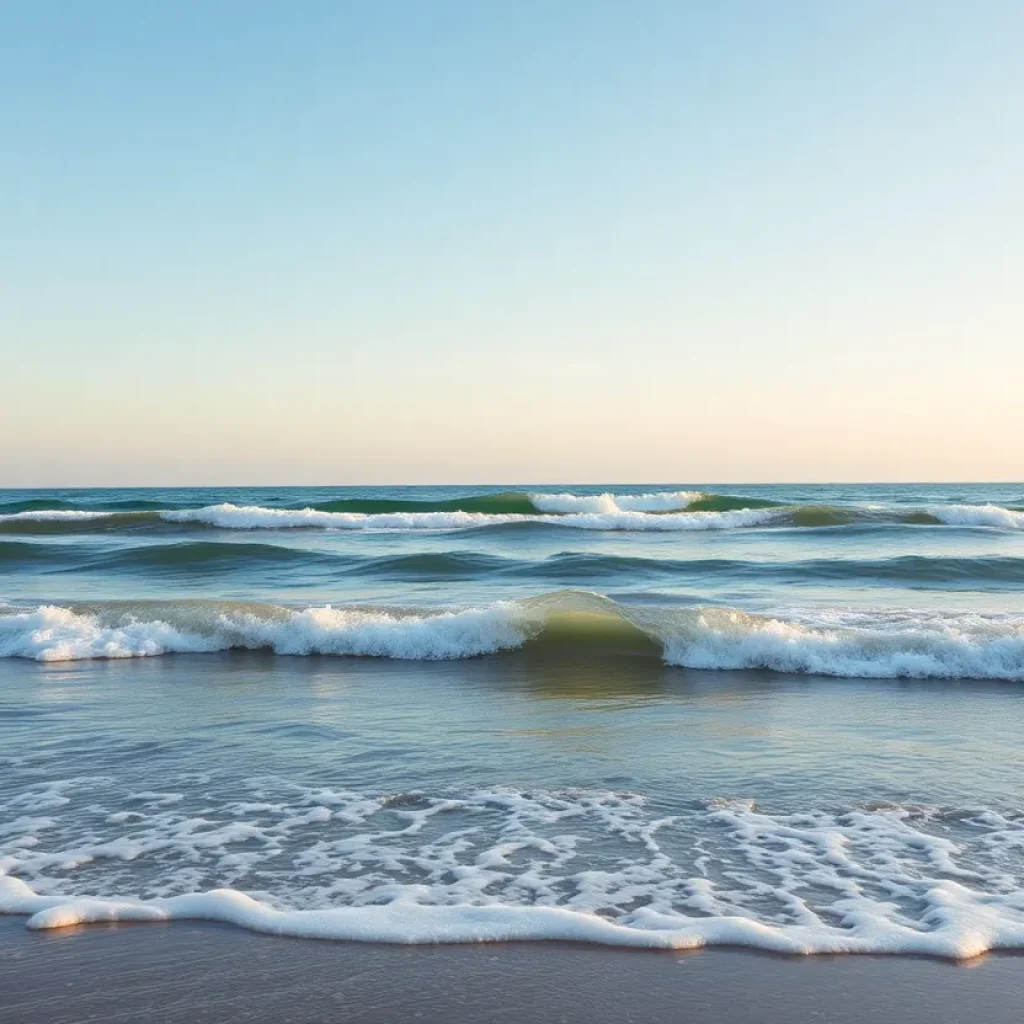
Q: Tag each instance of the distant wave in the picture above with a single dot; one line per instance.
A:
(510, 503)
(663, 501)
(875, 644)
(189, 558)
(507, 503)
(665, 511)
(12, 507)
(255, 517)
(55, 522)
(54, 515)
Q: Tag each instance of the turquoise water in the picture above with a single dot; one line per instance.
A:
(783, 716)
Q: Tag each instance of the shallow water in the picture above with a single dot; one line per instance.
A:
(627, 728)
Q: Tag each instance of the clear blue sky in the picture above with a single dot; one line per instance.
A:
(510, 240)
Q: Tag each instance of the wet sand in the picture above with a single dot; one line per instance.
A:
(199, 973)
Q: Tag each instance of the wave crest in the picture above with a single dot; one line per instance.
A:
(51, 633)
(875, 644)
(978, 515)
(664, 511)
(661, 501)
(255, 517)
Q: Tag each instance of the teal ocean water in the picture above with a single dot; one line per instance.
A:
(780, 716)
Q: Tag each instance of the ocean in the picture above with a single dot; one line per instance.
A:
(784, 717)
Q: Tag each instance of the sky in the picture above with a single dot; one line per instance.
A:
(447, 241)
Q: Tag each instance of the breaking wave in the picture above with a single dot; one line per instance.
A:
(72, 521)
(664, 511)
(827, 642)
(228, 516)
(664, 501)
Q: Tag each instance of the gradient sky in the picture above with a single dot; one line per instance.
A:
(510, 241)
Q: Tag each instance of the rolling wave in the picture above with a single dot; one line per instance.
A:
(28, 505)
(912, 570)
(55, 522)
(828, 642)
(506, 503)
(511, 503)
(14, 554)
(190, 557)
(662, 501)
(227, 516)
(666, 511)
(728, 502)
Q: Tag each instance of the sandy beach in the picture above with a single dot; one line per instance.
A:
(201, 973)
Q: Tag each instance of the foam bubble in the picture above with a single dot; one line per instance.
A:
(501, 864)
(662, 501)
(664, 511)
(876, 643)
(978, 515)
(253, 517)
(51, 633)
(52, 515)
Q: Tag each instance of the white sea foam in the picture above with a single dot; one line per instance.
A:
(51, 633)
(978, 515)
(876, 645)
(819, 641)
(500, 864)
(53, 515)
(254, 517)
(662, 511)
(671, 521)
(662, 501)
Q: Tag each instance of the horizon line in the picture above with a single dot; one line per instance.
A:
(523, 485)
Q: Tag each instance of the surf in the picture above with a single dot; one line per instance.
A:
(667, 511)
(817, 641)
(855, 879)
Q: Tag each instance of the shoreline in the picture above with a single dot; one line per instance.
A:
(200, 972)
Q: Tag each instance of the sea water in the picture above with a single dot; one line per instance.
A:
(786, 717)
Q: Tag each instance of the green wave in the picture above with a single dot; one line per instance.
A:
(921, 519)
(214, 555)
(821, 515)
(63, 505)
(35, 505)
(509, 510)
(566, 568)
(101, 524)
(14, 552)
(510, 503)
(729, 503)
